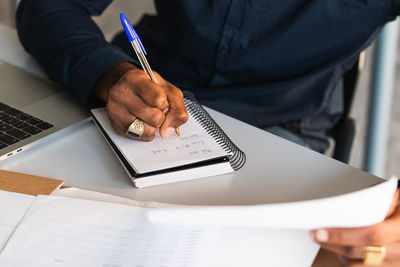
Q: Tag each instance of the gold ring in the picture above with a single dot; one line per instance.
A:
(136, 128)
(374, 255)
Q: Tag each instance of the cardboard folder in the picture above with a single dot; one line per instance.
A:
(27, 184)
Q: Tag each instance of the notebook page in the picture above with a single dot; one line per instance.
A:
(194, 145)
(61, 231)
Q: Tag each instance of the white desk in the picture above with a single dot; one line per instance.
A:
(276, 170)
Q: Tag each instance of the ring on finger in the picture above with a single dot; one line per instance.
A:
(374, 255)
(136, 128)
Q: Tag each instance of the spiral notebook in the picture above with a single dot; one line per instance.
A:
(202, 150)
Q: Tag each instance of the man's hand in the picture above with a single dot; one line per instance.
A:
(349, 243)
(130, 94)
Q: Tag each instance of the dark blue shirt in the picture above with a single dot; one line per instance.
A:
(265, 62)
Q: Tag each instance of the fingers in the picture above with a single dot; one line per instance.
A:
(120, 120)
(160, 106)
(136, 106)
(391, 260)
(382, 233)
(364, 236)
(372, 235)
(176, 114)
(151, 93)
(395, 203)
(354, 256)
(131, 97)
(346, 251)
(349, 243)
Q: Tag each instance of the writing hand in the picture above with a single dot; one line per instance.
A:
(349, 243)
(130, 94)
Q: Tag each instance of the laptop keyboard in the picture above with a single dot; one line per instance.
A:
(16, 125)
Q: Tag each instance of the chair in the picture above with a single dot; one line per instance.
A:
(344, 131)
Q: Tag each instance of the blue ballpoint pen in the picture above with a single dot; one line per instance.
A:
(139, 50)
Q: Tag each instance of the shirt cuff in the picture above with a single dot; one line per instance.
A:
(95, 64)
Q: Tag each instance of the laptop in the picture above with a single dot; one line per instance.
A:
(32, 108)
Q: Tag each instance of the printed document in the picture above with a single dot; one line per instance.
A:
(59, 231)
(13, 207)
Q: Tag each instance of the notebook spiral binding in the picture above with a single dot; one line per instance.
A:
(238, 158)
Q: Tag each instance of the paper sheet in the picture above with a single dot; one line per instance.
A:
(59, 231)
(235, 246)
(356, 209)
(74, 192)
(13, 207)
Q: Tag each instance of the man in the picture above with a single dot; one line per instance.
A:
(278, 66)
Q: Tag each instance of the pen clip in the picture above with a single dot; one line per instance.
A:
(130, 32)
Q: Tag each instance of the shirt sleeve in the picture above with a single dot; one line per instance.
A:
(63, 38)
